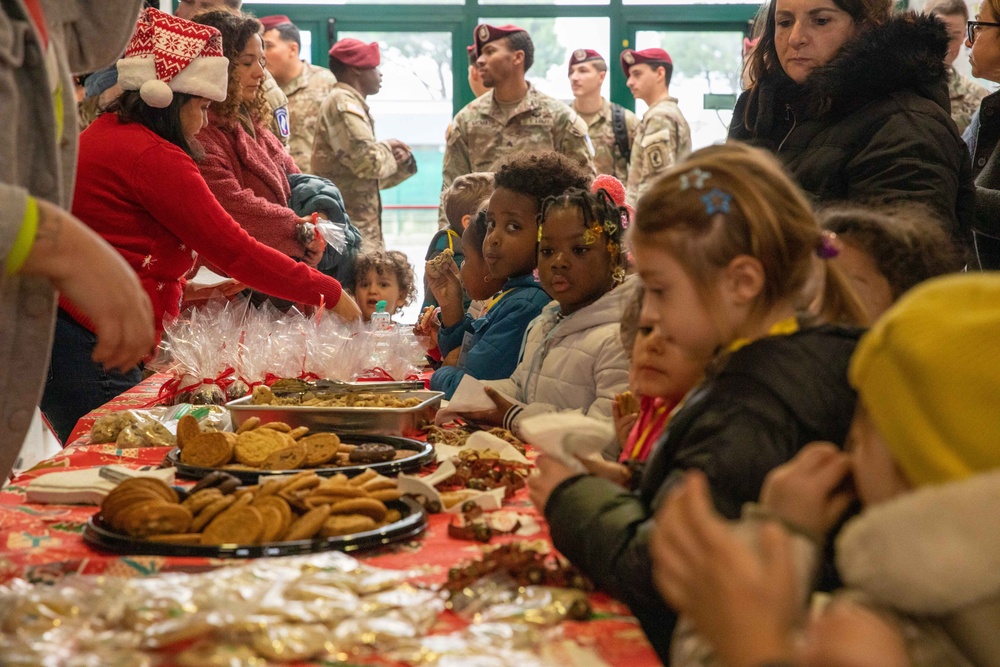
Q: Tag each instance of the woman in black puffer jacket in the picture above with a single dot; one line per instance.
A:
(854, 101)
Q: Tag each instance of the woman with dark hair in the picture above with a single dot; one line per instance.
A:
(139, 188)
(984, 42)
(854, 101)
(245, 165)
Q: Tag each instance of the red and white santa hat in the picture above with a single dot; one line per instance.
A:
(168, 54)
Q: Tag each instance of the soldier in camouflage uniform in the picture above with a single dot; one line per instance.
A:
(663, 136)
(511, 117)
(587, 71)
(345, 149)
(966, 95)
(305, 85)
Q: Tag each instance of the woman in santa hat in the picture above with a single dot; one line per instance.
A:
(139, 187)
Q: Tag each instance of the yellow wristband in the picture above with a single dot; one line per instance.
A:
(25, 240)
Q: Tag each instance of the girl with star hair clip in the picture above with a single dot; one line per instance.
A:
(572, 357)
(727, 248)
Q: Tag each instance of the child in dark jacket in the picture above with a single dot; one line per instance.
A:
(725, 245)
(490, 345)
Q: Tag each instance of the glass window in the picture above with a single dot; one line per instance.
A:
(413, 106)
(305, 52)
(705, 63)
(555, 40)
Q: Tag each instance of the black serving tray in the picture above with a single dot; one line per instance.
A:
(423, 453)
(413, 522)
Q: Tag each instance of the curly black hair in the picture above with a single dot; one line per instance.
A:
(596, 208)
(387, 262)
(907, 242)
(540, 175)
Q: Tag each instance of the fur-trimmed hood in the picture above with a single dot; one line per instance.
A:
(928, 552)
(905, 53)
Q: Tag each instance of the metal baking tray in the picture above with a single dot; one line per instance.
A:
(377, 421)
(413, 522)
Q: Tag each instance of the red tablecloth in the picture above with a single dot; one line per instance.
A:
(41, 543)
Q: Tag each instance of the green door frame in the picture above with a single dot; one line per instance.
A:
(461, 20)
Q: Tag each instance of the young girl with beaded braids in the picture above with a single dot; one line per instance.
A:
(726, 245)
(572, 357)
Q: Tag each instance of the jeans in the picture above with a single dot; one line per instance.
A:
(76, 384)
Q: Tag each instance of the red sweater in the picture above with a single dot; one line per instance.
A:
(146, 197)
(249, 177)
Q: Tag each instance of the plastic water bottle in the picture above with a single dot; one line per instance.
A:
(380, 319)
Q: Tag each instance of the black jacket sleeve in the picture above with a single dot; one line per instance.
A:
(605, 530)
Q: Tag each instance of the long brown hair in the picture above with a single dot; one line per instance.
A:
(730, 200)
(236, 31)
(763, 60)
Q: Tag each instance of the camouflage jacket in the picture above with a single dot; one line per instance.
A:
(278, 104)
(663, 137)
(966, 96)
(346, 152)
(306, 93)
(480, 136)
(607, 158)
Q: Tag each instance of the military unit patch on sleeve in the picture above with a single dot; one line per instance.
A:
(281, 116)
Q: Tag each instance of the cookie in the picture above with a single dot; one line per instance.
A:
(367, 506)
(187, 430)
(308, 525)
(209, 450)
(385, 495)
(278, 426)
(273, 525)
(366, 476)
(249, 424)
(223, 481)
(239, 525)
(320, 448)
(347, 524)
(392, 516)
(210, 512)
(379, 483)
(253, 447)
(165, 519)
(199, 500)
(297, 433)
(285, 515)
(288, 458)
(151, 485)
(372, 452)
(627, 403)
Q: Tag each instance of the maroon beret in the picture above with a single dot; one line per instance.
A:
(583, 56)
(355, 53)
(485, 34)
(630, 57)
(272, 22)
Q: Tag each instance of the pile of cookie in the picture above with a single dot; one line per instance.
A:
(273, 446)
(299, 507)
(263, 395)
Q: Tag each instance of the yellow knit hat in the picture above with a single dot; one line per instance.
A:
(928, 373)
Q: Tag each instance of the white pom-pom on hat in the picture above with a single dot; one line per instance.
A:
(156, 93)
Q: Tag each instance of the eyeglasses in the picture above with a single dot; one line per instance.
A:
(974, 27)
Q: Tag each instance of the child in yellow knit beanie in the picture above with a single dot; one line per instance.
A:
(921, 562)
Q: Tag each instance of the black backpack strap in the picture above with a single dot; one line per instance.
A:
(621, 131)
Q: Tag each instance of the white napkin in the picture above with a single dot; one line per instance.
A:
(206, 278)
(84, 487)
(566, 435)
(481, 441)
(425, 486)
(470, 396)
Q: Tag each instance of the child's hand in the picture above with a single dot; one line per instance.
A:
(744, 603)
(452, 358)
(845, 633)
(610, 470)
(492, 417)
(812, 491)
(623, 422)
(446, 286)
(427, 327)
(549, 473)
